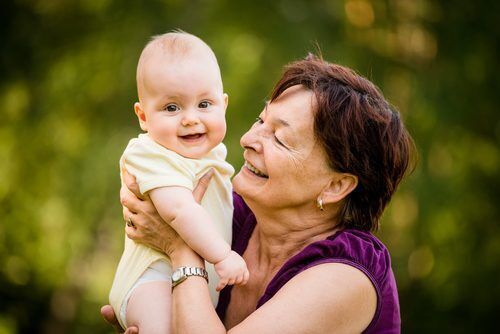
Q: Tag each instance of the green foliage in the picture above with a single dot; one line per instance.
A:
(67, 87)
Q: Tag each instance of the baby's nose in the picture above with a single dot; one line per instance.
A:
(190, 119)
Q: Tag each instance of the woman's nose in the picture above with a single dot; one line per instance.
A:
(251, 140)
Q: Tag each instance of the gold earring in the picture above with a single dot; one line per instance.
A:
(319, 204)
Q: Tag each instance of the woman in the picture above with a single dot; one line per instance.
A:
(321, 163)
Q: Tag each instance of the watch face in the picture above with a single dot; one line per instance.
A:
(176, 275)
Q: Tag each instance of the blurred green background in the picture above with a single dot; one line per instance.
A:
(67, 87)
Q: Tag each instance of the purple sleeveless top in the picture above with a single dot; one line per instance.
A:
(355, 248)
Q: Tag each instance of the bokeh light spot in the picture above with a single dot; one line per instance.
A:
(420, 262)
(16, 270)
(359, 13)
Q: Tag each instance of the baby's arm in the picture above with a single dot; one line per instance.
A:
(177, 206)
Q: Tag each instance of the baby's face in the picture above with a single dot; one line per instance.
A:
(184, 105)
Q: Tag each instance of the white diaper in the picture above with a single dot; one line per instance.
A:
(158, 271)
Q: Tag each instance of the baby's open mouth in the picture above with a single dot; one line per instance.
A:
(193, 136)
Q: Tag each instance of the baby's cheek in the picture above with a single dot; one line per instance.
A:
(219, 128)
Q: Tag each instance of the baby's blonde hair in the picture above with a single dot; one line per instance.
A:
(173, 44)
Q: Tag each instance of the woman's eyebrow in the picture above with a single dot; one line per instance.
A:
(279, 121)
(282, 122)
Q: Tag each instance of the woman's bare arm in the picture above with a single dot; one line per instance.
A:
(328, 298)
(324, 299)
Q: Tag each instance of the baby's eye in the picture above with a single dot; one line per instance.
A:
(259, 120)
(204, 104)
(171, 108)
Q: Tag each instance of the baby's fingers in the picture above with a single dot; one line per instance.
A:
(243, 278)
(239, 279)
(246, 276)
(221, 285)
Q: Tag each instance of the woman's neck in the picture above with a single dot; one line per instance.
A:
(275, 239)
(284, 233)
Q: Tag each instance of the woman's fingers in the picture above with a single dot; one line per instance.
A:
(202, 185)
(130, 201)
(132, 330)
(126, 213)
(132, 232)
(125, 194)
(109, 315)
(129, 181)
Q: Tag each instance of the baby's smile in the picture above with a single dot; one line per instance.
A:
(193, 138)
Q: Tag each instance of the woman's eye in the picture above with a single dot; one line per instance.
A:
(204, 105)
(171, 108)
(278, 141)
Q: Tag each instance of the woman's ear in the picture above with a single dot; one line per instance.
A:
(341, 185)
(141, 115)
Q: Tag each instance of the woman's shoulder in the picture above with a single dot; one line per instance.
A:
(357, 248)
(361, 247)
(367, 253)
(361, 250)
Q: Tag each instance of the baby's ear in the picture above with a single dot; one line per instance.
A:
(226, 100)
(141, 115)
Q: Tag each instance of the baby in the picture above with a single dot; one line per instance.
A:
(182, 110)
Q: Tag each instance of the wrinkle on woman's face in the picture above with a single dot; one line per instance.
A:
(282, 145)
(296, 158)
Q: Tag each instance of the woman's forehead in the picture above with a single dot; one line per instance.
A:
(293, 108)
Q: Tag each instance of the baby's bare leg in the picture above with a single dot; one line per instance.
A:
(149, 308)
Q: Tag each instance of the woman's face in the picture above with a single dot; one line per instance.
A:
(285, 166)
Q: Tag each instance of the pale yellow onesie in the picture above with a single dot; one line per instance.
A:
(155, 166)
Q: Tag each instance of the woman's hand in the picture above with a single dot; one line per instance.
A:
(144, 224)
(147, 226)
(109, 315)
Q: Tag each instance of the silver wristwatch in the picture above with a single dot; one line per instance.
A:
(182, 273)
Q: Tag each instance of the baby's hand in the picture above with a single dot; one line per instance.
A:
(232, 270)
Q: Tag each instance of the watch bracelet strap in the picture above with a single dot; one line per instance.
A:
(190, 271)
(196, 271)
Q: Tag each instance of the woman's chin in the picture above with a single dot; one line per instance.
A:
(251, 190)
(242, 185)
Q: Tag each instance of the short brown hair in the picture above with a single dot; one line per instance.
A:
(360, 131)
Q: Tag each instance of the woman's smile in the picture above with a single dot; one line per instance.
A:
(254, 170)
